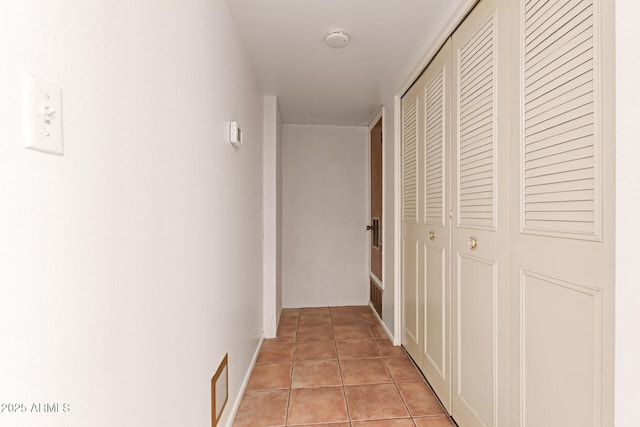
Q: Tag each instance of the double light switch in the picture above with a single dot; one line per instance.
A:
(42, 115)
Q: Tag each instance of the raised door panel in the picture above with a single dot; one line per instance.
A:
(560, 331)
(476, 288)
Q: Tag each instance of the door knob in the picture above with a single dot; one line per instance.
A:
(369, 227)
(473, 243)
(432, 235)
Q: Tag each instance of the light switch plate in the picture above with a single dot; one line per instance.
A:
(42, 115)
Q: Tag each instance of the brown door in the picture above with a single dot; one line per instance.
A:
(375, 224)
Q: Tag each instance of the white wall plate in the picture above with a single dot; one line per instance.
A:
(42, 115)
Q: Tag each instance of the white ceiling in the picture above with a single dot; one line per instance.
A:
(319, 85)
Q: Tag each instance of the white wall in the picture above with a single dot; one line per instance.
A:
(272, 202)
(129, 266)
(627, 213)
(324, 215)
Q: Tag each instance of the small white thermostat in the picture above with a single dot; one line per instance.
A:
(235, 134)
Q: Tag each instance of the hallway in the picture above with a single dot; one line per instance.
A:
(336, 367)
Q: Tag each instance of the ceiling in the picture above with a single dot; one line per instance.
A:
(319, 85)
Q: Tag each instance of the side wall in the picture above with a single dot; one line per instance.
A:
(272, 176)
(129, 266)
(627, 382)
(324, 215)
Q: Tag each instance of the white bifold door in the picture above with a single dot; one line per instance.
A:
(562, 216)
(426, 223)
(480, 231)
(508, 216)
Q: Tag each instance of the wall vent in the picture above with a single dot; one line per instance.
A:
(219, 390)
(375, 297)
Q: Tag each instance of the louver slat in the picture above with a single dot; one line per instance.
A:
(559, 147)
(409, 160)
(476, 171)
(434, 151)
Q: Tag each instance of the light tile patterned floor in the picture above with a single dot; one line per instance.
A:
(335, 367)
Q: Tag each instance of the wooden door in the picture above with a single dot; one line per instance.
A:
(376, 201)
(562, 275)
(435, 121)
(375, 220)
(480, 231)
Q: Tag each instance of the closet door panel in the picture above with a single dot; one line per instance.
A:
(412, 295)
(435, 320)
(562, 277)
(480, 233)
(435, 89)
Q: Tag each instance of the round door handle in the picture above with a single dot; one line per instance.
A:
(472, 243)
(432, 235)
(369, 227)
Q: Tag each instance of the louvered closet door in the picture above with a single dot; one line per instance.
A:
(412, 294)
(480, 230)
(562, 280)
(435, 94)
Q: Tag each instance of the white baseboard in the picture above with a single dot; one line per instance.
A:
(243, 387)
(384, 327)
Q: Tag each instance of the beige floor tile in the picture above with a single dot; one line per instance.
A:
(316, 350)
(323, 425)
(314, 321)
(405, 422)
(402, 369)
(420, 399)
(315, 311)
(288, 322)
(284, 335)
(316, 374)
(262, 409)
(270, 376)
(364, 371)
(387, 349)
(377, 331)
(443, 421)
(289, 312)
(354, 331)
(357, 349)
(369, 318)
(315, 333)
(272, 352)
(346, 319)
(348, 309)
(375, 402)
(317, 405)
(298, 377)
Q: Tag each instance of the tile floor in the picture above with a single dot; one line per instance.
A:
(335, 367)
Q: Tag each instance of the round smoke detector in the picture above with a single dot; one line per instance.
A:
(337, 39)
